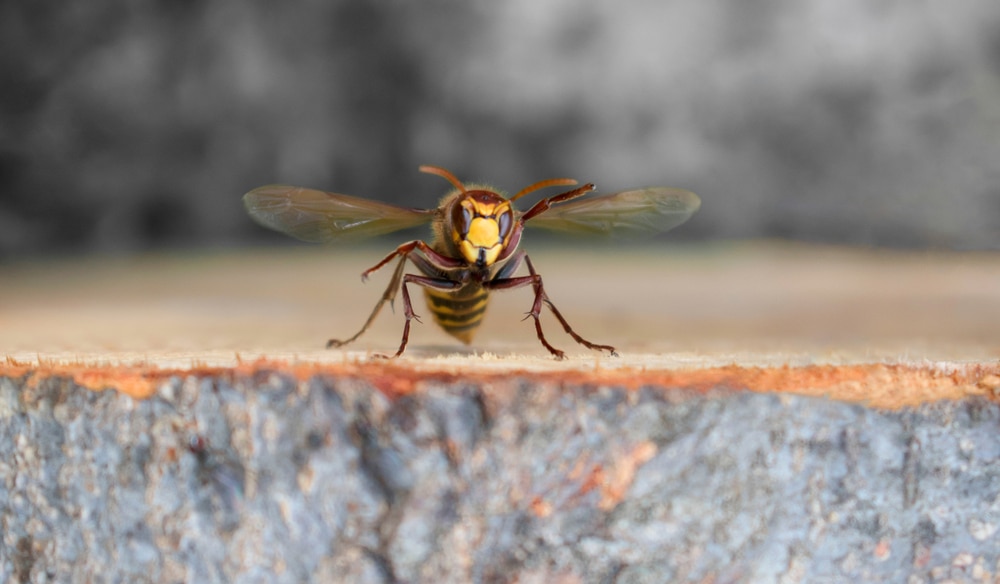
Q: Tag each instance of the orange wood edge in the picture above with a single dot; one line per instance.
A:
(885, 386)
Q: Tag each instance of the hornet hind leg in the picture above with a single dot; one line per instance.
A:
(503, 281)
(389, 295)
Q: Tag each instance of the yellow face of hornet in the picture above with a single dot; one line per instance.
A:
(481, 227)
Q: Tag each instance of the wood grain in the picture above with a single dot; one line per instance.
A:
(885, 328)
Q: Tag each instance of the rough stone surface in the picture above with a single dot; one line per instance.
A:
(269, 479)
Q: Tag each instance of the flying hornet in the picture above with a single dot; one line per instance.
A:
(474, 251)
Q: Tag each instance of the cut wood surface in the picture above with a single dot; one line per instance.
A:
(886, 328)
(262, 456)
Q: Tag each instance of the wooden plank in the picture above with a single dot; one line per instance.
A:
(884, 327)
(501, 460)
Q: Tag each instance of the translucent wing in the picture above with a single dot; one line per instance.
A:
(642, 211)
(317, 216)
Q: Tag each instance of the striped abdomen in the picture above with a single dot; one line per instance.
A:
(460, 312)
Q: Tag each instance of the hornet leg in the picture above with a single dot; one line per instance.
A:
(388, 296)
(535, 281)
(437, 283)
(434, 262)
(569, 330)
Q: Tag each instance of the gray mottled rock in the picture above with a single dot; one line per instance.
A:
(268, 479)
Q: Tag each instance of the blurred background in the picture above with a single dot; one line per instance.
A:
(138, 126)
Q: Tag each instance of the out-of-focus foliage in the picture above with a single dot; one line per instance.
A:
(139, 125)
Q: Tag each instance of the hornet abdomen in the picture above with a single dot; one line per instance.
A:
(458, 312)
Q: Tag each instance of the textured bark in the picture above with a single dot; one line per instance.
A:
(266, 478)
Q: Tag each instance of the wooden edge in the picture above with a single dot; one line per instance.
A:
(877, 385)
